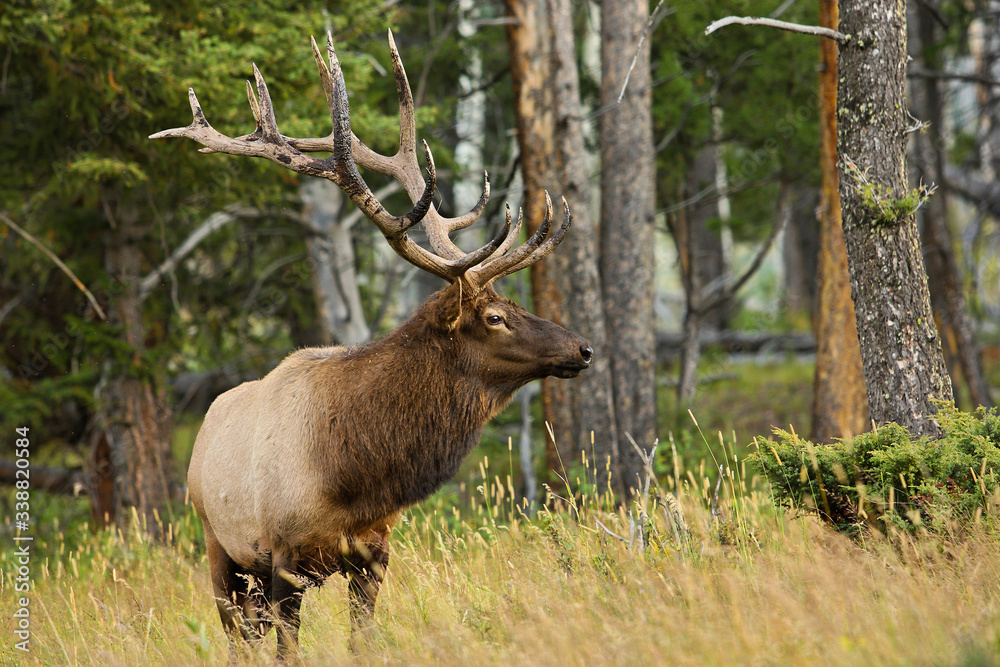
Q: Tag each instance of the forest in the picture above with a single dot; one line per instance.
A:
(768, 232)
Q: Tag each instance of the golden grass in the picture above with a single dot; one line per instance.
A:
(484, 588)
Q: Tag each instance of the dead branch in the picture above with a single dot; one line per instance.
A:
(609, 531)
(212, 224)
(781, 25)
(58, 262)
(654, 18)
(717, 296)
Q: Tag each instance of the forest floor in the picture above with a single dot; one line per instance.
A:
(473, 579)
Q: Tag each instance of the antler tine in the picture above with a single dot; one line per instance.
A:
(512, 238)
(403, 165)
(407, 118)
(254, 107)
(482, 254)
(324, 74)
(267, 123)
(531, 251)
(404, 168)
(551, 243)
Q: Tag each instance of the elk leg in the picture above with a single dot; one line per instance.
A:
(365, 572)
(286, 600)
(229, 587)
(255, 607)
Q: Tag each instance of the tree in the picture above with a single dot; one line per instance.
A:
(627, 209)
(901, 352)
(566, 286)
(592, 413)
(730, 157)
(840, 408)
(527, 38)
(904, 368)
(962, 354)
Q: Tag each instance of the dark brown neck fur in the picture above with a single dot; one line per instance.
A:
(402, 414)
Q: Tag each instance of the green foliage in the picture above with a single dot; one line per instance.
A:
(764, 84)
(887, 209)
(888, 478)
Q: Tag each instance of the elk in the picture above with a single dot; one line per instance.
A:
(303, 473)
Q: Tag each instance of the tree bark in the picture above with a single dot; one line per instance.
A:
(900, 347)
(575, 266)
(962, 354)
(840, 404)
(702, 263)
(627, 240)
(799, 253)
(133, 407)
(527, 37)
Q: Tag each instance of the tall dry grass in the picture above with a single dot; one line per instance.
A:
(489, 585)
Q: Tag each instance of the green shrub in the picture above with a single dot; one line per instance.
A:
(886, 477)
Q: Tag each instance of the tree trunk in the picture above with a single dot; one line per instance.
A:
(133, 406)
(962, 354)
(527, 37)
(900, 347)
(702, 262)
(800, 251)
(331, 256)
(840, 406)
(575, 266)
(707, 252)
(687, 383)
(627, 209)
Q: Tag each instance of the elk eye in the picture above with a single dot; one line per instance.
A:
(494, 320)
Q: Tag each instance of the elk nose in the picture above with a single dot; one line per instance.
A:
(587, 353)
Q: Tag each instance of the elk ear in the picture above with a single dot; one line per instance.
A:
(449, 310)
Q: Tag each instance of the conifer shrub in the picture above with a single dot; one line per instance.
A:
(888, 478)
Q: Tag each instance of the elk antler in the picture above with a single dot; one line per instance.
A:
(476, 269)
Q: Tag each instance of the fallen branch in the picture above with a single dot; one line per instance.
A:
(818, 31)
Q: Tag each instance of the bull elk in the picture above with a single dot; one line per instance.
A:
(303, 473)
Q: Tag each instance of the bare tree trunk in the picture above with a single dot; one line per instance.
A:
(575, 269)
(627, 209)
(840, 405)
(800, 249)
(527, 37)
(962, 354)
(529, 482)
(900, 347)
(331, 256)
(133, 405)
(702, 263)
(687, 383)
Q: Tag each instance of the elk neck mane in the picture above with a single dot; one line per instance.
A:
(401, 414)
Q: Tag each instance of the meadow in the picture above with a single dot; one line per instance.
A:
(701, 569)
